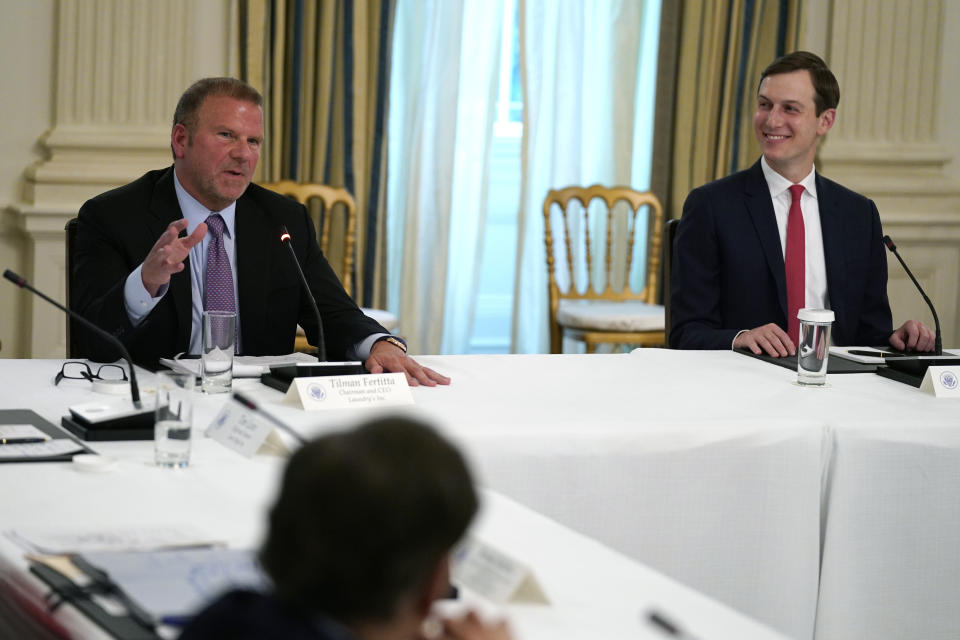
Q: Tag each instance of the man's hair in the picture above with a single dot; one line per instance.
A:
(825, 86)
(363, 518)
(193, 97)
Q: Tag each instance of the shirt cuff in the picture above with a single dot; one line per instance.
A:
(137, 300)
(734, 341)
(361, 350)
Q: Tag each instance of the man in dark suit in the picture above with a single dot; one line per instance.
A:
(754, 247)
(142, 252)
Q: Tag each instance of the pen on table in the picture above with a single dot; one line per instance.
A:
(668, 627)
(22, 440)
(175, 621)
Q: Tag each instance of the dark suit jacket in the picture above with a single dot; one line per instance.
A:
(728, 272)
(117, 229)
(247, 615)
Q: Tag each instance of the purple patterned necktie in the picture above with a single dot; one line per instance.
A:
(218, 291)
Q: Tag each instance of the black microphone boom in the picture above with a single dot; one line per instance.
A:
(938, 346)
(250, 404)
(134, 389)
(321, 347)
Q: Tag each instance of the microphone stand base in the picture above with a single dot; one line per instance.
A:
(132, 427)
(281, 377)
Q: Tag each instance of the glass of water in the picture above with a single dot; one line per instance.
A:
(216, 355)
(174, 419)
(813, 347)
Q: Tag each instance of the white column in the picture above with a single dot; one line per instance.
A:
(121, 65)
(886, 144)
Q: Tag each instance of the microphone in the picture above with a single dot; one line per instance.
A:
(134, 389)
(938, 346)
(321, 347)
(250, 404)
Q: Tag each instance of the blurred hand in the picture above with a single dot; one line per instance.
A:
(769, 339)
(470, 627)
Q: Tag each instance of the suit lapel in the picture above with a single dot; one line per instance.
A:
(257, 235)
(165, 209)
(831, 225)
(760, 206)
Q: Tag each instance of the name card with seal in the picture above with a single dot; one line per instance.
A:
(942, 382)
(487, 571)
(345, 392)
(242, 430)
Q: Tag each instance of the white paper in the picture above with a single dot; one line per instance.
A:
(179, 583)
(243, 366)
(64, 539)
(844, 352)
(58, 447)
(489, 572)
(11, 431)
(240, 429)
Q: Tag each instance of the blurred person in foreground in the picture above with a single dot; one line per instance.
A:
(359, 543)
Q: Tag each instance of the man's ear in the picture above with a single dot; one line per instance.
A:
(825, 121)
(436, 586)
(179, 138)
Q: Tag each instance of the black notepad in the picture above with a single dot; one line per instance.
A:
(26, 416)
(834, 365)
(122, 626)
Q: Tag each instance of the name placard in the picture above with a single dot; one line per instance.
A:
(485, 570)
(344, 392)
(942, 382)
(242, 430)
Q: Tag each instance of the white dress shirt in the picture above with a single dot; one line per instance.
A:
(815, 263)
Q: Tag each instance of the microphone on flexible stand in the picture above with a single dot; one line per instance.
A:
(250, 404)
(281, 377)
(134, 389)
(321, 346)
(911, 369)
(938, 346)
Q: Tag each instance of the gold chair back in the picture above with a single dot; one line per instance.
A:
(328, 197)
(609, 280)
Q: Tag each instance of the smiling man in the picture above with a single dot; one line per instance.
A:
(754, 247)
(152, 256)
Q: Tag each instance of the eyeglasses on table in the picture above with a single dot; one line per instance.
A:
(82, 371)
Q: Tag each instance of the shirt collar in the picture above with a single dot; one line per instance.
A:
(195, 213)
(778, 185)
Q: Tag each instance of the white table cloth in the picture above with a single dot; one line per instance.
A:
(594, 591)
(712, 467)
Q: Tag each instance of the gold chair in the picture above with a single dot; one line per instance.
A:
(606, 309)
(330, 198)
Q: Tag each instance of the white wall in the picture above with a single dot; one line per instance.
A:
(950, 87)
(26, 112)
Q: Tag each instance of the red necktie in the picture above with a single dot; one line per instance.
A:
(794, 262)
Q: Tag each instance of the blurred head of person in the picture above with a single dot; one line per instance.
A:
(363, 526)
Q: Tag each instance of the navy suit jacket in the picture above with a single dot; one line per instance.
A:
(247, 615)
(728, 272)
(117, 229)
